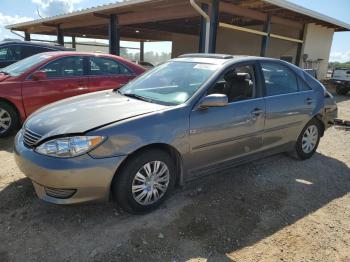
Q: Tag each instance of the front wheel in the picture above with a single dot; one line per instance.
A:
(308, 140)
(145, 181)
(8, 119)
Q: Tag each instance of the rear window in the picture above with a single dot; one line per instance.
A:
(101, 66)
(279, 79)
(32, 50)
(312, 82)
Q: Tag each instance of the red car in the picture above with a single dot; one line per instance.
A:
(47, 77)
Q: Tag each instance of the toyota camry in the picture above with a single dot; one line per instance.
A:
(189, 117)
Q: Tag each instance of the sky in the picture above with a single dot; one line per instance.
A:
(16, 11)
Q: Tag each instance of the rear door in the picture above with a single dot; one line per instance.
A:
(65, 78)
(290, 103)
(107, 73)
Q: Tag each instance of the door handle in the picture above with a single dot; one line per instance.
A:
(257, 112)
(308, 101)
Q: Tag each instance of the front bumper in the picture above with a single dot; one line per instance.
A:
(88, 179)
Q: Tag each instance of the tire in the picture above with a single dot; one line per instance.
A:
(9, 120)
(129, 178)
(341, 90)
(307, 143)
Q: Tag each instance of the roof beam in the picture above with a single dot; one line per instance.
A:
(169, 13)
(256, 15)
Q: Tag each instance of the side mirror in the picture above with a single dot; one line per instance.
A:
(214, 100)
(39, 75)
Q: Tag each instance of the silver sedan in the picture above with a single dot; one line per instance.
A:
(189, 117)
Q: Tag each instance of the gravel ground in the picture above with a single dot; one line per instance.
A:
(275, 209)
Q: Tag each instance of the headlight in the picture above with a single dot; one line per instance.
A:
(69, 146)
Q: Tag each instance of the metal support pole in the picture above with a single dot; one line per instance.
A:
(114, 35)
(142, 51)
(300, 47)
(214, 21)
(60, 36)
(74, 44)
(26, 36)
(203, 30)
(266, 38)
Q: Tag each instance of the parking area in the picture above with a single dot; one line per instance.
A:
(275, 209)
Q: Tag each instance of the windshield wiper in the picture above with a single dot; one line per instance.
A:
(137, 97)
(4, 72)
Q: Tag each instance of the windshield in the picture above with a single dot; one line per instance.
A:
(20, 67)
(172, 83)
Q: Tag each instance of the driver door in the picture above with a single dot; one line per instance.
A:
(65, 78)
(221, 135)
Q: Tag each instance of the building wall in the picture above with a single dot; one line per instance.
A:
(318, 42)
(317, 45)
(239, 43)
(97, 48)
(183, 44)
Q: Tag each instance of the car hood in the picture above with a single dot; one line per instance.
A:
(86, 112)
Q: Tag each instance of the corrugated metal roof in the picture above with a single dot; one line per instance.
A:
(99, 8)
(305, 11)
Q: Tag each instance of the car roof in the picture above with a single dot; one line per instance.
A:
(20, 42)
(75, 53)
(220, 59)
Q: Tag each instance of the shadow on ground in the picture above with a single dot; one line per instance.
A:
(209, 218)
(6, 144)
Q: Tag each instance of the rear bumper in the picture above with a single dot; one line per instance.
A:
(331, 113)
(78, 180)
(341, 82)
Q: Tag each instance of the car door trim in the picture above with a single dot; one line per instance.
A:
(296, 123)
(227, 140)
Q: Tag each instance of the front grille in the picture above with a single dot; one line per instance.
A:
(59, 193)
(30, 138)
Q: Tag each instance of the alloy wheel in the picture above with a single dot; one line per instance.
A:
(310, 138)
(5, 120)
(150, 183)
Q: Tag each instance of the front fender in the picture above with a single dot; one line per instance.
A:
(165, 127)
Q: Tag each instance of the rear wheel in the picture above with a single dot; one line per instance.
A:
(8, 119)
(308, 140)
(341, 90)
(145, 181)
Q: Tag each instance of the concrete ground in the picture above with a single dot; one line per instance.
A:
(275, 209)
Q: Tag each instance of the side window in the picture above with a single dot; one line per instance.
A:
(11, 53)
(105, 66)
(279, 79)
(303, 86)
(32, 50)
(64, 67)
(3, 53)
(238, 84)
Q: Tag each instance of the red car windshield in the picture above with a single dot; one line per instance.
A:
(20, 67)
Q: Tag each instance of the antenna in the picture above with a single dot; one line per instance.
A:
(37, 11)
